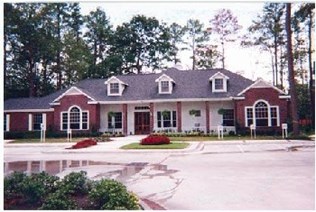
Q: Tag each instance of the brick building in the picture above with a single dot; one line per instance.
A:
(173, 100)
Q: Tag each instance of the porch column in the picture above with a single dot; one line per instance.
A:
(125, 119)
(179, 117)
(207, 116)
(152, 115)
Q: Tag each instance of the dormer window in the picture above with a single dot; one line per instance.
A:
(165, 84)
(219, 82)
(114, 88)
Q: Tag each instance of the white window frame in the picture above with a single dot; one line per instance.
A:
(7, 122)
(171, 120)
(253, 107)
(118, 88)
(224, 89)
(68, 118)
(167, 84)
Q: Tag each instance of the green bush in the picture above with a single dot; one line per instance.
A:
(112, 195)
(58, 201)
(75, 191)
(75, 183)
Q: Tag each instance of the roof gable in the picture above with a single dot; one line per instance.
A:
(114, 79)
(260, 83)
(219, 75)
(164, 77)
(72, 91)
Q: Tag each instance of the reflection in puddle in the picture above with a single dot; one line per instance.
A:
(95, 169)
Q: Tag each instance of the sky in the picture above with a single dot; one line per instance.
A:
(250, 62)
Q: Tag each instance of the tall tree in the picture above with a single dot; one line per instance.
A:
(306, 14)
(208, 56)
(98, 35)
(293, 92)
(197, 37)
(226, 26)
(142, 42)
(176, 38)
(268, 33)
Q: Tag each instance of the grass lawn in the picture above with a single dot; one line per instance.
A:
(161, 146)
(47, 140)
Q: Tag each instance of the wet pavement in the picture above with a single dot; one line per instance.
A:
(215, 175)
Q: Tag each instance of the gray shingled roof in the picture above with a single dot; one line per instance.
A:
(188, 84)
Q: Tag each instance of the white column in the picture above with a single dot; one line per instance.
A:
(30, 122)
(44, 120)
(8, 122)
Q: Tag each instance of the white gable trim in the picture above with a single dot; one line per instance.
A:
(218, 75)
(164, 76)
(260, 83)
(29, 110)
(72, 91)
(113, 78)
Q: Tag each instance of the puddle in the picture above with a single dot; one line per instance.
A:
(95, 169)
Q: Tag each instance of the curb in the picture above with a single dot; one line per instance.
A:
(193, 147)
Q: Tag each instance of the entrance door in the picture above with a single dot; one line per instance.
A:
(142, 123)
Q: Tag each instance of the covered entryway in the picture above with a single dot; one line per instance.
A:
(142, 123)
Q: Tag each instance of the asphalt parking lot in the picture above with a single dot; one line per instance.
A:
(211, 176)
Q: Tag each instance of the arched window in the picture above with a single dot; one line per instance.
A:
(261, 114)
(75, 119)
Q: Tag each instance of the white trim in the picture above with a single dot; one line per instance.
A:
(29, 110)
(218, 75)
(115, 78)
(67, 91)
(253, 107)
(166, 76)
(54, 103)
(44, 120)
(267, 85)
(285, 97)
(68, 118)
(93, 103)
(239, 98)
(30, 127)
(7, 129)
(167, 100)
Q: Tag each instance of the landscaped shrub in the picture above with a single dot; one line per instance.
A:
(75, 183)
(112, 195)
(83, 144)
(21, 189)
(74, 192)
(58, 201)
(155, 140)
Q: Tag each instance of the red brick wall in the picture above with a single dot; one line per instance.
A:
(268, 94)
(19, 121)
(81, 101)
(124, 107)
(151, 123)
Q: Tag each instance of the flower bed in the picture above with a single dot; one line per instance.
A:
(83, 144)
(155, 140)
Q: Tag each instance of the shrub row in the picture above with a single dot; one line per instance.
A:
(49, 134)
(74, 192)
(155, 140)
(83, 144)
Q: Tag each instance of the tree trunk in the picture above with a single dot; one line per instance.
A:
(311, 84)
(31, 79)
(193, 56)
(291, 71)
(276, 60)
(58, 61)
